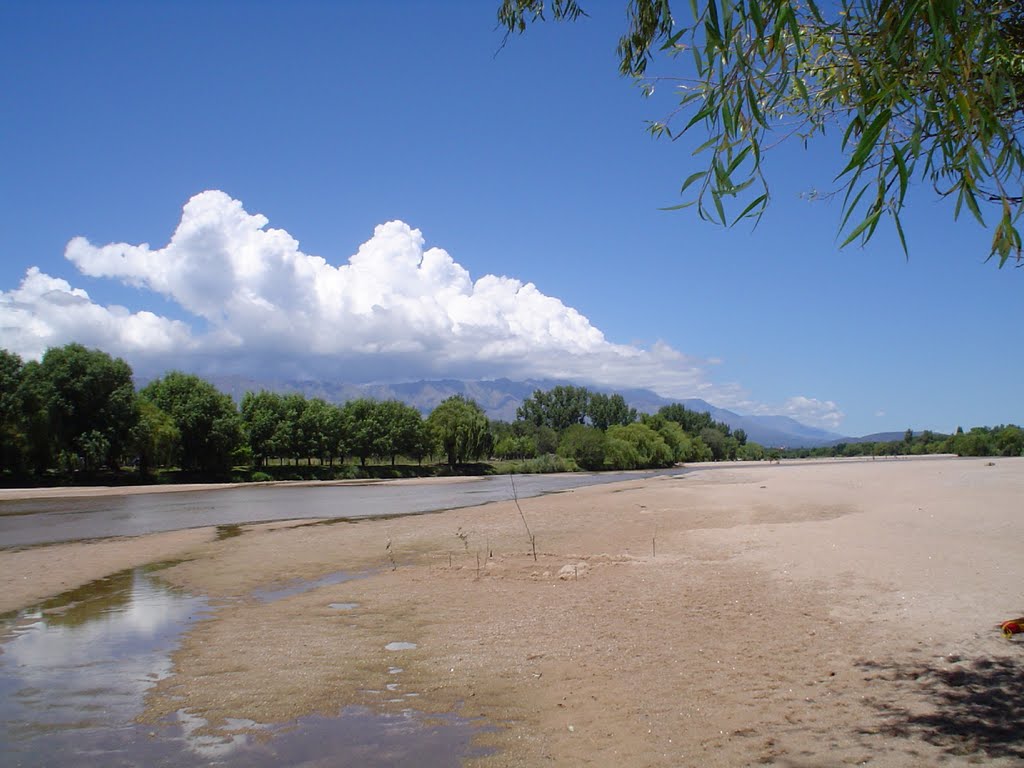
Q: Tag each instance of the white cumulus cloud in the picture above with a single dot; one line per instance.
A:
(808, 410)
(46, 311)
(395, 310)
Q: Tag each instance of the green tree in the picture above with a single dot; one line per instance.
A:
(545, 440)
(1009, 440)
(677, 441)
(402, 429)
(36, 436)
(691, 421)
(292, 437)
(701, 451)
(363, 428)
(557, 408)
(461, 430)
(583, 444)
(512, 447)
(155, 438)
(423, 445)
(88, 399)
(11, 411)
(651, 449)
(751, 452)
(606, 410)
(716, 441)
(334, 433)
(517, 440)
(207, 420)
(918, 89)
(620, 453)
(262, 416)
(315, 426)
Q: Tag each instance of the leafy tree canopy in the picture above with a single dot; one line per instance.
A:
(262, 416)
(460, 427)
(585, 445)
(155, 437)
(87, 400)
(606, 410)
(11, 409)
(364, 428)
(558, 408)
(209, 427)
(918, 89)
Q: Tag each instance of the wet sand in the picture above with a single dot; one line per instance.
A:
(796, 615)
(28, 576)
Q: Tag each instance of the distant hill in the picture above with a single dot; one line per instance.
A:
(501, 397)
(876, 437)
(885, 437)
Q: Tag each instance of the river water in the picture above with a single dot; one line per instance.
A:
(44, 521)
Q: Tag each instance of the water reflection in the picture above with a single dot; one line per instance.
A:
(298, 586)
(78, 666)
(74, 672)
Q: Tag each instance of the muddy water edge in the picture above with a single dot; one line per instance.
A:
(75, 671)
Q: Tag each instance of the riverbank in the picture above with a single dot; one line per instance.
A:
(798, 615)
(96, 491)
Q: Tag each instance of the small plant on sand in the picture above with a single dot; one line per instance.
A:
(391, 555)
(532, 538)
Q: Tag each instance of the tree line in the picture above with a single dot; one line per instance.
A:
(77, 411)
(1001, 440)
(598, 431)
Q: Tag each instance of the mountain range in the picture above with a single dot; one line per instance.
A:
(501, 397)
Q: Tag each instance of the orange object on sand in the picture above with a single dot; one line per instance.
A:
(1012, 627)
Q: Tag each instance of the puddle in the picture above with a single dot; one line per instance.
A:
(344, 606)
(356, 736)
(75, 670)
(400, 647)
(299, 586)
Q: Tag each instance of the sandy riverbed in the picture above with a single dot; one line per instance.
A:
(797, 615)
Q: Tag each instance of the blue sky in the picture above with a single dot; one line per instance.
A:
(333, 118)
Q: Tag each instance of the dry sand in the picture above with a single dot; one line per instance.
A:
(795, 615)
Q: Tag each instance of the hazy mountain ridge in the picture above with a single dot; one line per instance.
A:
(501, 397)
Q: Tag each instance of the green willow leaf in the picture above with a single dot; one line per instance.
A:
(758, 202)
(868, 140)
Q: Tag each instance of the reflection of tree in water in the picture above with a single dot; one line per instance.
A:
(86, 603)
(965, 707)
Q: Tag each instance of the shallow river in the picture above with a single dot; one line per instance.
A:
(75, 670)
(44, 521)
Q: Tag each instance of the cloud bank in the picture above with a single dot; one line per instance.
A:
(395, 311)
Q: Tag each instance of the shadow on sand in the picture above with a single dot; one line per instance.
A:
(963, 706)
